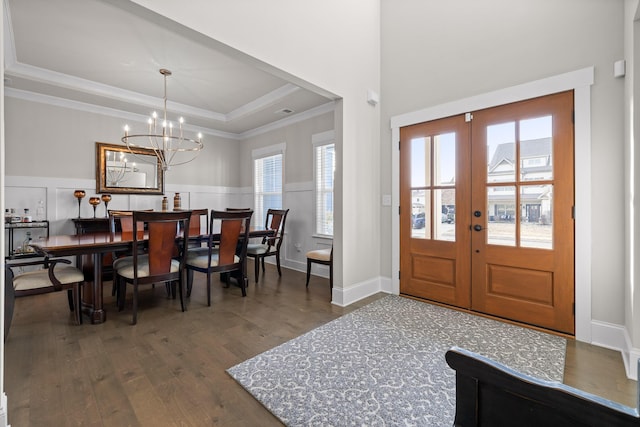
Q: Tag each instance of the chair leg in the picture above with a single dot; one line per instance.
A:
(121, 293)
(135, 303)
(278, 263)
(208, 288)
(257, 268)
(189, 282)
(244, 282)
(181, 290)
(170, 287)
(262, 262)
(77, 296)
(70, 299)
(308, 271)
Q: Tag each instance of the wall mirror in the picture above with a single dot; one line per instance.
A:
(125, 171)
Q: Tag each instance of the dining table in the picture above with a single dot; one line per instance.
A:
(96, 245)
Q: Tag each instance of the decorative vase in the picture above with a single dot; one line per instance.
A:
(176, 202)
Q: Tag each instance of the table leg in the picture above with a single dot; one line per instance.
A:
(98, 315)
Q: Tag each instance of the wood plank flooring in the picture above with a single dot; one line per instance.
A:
(169, 369)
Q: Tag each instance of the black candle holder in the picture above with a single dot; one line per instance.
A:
(79, 194)
(94, 201)
(106, 198)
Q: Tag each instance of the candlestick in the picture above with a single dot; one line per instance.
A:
(79, 194)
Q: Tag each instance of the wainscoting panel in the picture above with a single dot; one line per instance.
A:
(61, 207)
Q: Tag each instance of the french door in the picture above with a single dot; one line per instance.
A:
(486, 204)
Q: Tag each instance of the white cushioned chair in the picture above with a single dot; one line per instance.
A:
(55, 276)
(320, 256)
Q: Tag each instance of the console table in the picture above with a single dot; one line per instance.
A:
(91, 225)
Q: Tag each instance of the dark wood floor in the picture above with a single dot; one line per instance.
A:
(169, 369)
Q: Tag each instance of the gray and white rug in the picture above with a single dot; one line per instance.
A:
(384, 365)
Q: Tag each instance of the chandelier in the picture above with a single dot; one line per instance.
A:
(169, 145)
(117, 169)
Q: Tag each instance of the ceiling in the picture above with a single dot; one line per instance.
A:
(94, 54)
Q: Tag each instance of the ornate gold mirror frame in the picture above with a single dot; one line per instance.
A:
(123, 171)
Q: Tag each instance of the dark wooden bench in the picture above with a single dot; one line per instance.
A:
(491, 394)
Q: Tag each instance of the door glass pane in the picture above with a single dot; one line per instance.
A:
(420, 214)
(501, 152)
(501, 227)
(444, 149)
(536, 149)
(445, 215)
(421, 162)
(536, 216)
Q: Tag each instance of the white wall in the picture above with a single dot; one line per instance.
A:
(437, 52)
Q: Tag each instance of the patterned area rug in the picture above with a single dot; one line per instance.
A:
(384, 365)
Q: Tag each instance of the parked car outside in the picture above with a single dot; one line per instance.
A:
(417, 220)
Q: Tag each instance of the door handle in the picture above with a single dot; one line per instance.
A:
(477, 227)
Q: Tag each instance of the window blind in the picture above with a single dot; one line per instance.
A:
(325, 164)
(267, 186)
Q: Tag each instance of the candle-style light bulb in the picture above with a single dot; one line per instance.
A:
(126, 130)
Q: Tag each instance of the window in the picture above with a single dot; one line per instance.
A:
(267, 177)
(324, 167)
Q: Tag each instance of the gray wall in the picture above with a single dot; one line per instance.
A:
(53, 141)
(436, 52)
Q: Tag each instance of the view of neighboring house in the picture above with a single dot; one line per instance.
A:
(535, 200)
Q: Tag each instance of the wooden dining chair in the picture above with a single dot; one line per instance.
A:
(121, 221)
(198, 228)
(226, 251)
(159, 263)
(199, 224)
(320, 256)
(270, 245)
(54, 276)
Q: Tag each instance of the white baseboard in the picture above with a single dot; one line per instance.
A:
(616, 337)
(346, 296)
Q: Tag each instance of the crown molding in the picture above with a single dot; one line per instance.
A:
(112, 112)
(98, 109)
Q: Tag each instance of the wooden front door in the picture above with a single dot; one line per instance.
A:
(435, 195)
(511, 253)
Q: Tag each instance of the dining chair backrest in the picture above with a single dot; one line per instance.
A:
(275, 221)
(240, 210)
(122, 221)
(162, 229)
(199, 217)
(234, 234)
